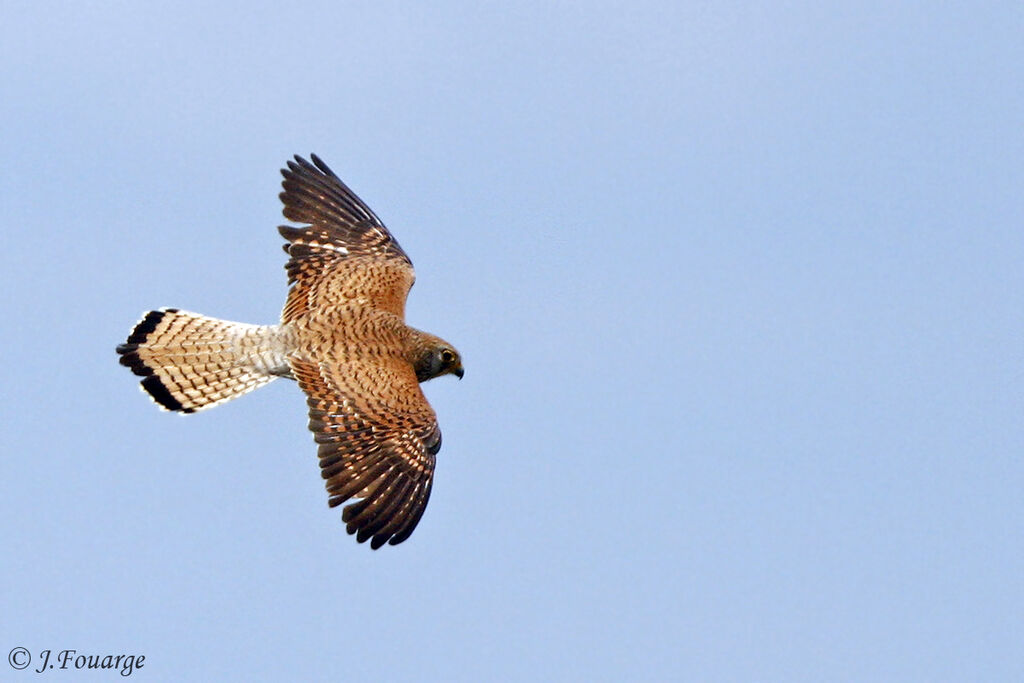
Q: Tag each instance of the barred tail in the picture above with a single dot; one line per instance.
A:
(190, 362)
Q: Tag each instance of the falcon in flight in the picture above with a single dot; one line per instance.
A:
(342, 337)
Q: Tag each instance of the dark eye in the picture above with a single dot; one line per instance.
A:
(447, 356)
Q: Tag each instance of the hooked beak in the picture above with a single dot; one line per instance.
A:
(458, 372)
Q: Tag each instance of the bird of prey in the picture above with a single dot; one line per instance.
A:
(342, 336)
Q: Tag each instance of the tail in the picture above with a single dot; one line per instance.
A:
(190, 362)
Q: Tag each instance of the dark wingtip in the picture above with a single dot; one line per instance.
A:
(324, 168)
(298, 164)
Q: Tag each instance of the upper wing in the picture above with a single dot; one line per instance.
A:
(378, 437)
(344, 251)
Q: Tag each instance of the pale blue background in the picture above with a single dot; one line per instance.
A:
(738, 287)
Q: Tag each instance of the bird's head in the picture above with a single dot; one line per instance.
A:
(435, 357)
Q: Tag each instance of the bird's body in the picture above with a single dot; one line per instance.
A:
(343, 337)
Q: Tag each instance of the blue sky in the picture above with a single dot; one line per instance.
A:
(738, 289)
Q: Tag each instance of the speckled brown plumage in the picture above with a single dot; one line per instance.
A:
(342, 337)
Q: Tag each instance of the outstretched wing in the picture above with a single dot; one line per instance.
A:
(378, 437)
(344, 252)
